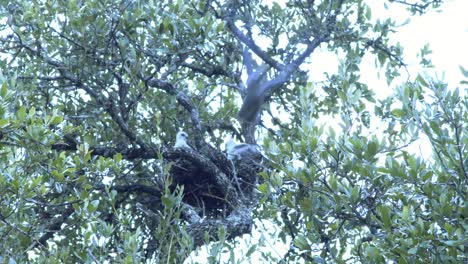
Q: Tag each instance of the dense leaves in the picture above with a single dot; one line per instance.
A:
(93, 93)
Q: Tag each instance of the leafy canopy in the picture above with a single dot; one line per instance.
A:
(93, 93)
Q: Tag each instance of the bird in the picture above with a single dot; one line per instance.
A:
(181, 140)
(243, 151)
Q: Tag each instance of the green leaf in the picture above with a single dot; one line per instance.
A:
(372, 253)
(385, 215)
(306, 205)
(276, 180)
(4, 90)
(452, 243)
(333, 183)
(220, 27)
(435, 127)
(382, 58)
(399, 113)
(57, 175)
(372, 148)
(32, 111)
(56, 120)
(413, 251)
(368, 14)
(251, 250)
(422, 81)
(168, 203)
(264, 188)
(301, 242)
(4, 123)
(354, 195)
(405, 214)
(118, 157)
(21, 113)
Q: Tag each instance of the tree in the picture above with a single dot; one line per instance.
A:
(94, 92)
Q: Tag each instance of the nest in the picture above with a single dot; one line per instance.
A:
(213, 184)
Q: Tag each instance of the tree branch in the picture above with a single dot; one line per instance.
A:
(184, 100)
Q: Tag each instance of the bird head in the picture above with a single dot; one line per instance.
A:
(181, 135)
(181, 140)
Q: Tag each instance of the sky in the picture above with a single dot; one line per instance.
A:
(445, 30)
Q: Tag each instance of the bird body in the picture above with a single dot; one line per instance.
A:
(237, 151)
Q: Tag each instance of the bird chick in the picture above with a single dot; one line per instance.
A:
(239, 151)
(181, 140)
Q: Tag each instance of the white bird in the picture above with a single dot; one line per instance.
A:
(243, 151)
(181, 140)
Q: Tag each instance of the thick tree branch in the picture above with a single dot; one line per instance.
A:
(251, 44)
(208, 71)
(259, 90)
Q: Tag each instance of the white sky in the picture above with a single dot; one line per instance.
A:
(447, 34)
(446, 31)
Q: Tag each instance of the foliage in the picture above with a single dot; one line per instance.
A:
(93, 93)
(360, 196)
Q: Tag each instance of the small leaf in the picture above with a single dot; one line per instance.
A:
(413, 251)
(251, 250)
(4, 90)
(56, 120)
(405, 214)
(422, 81)
(435, 127)
(301, 242)
(118, 157)
(368, 13)
(451, 243)
(382, 57)
(167, 202)
(333, 183)
(398, 113)
(385, 215)
(220, 27)
(264, 188)
(372, 253)
(4, 123)
(21, 113)
(57, 175)
(276, 180)
(354, 195)
(32, 111)
(372, 148)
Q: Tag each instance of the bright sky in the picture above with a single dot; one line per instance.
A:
(446, 31)
(447, 34)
